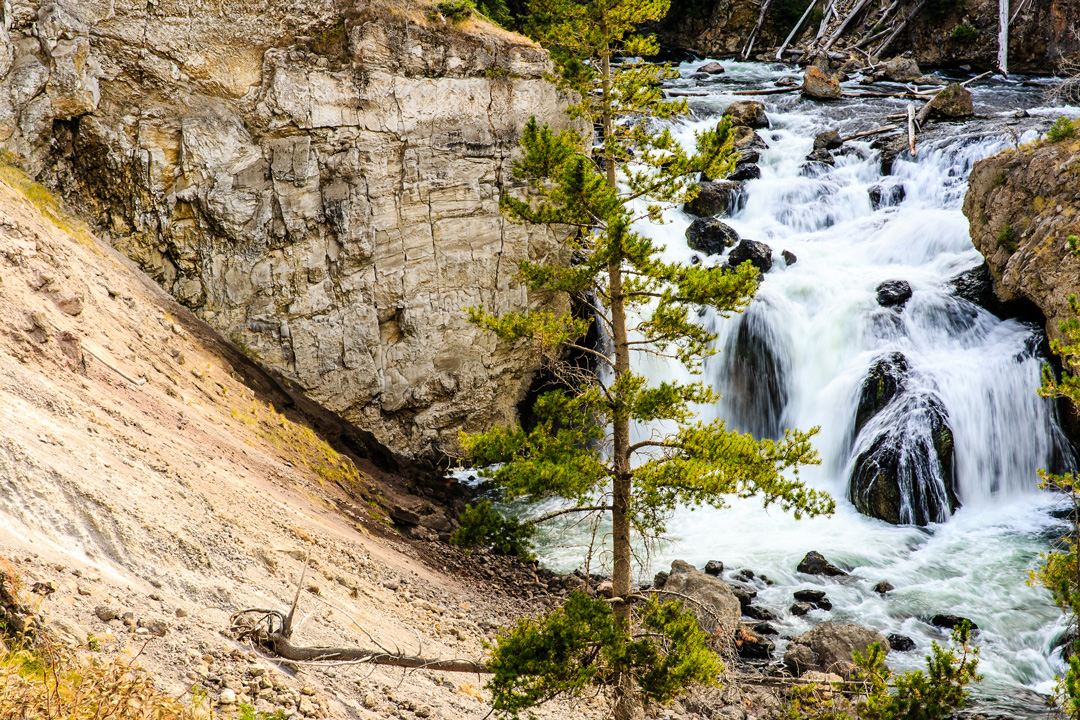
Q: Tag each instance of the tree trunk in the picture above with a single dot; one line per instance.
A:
(627, 706)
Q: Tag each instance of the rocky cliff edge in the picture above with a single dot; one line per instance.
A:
(318, 180)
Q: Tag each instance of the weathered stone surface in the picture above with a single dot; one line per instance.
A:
(901, 69)
(710, 236)
(820, 84)
(884, 381)
(749, 113)
(886, 195)
(751, 645)
(952, 103)
(900, 643)
(711, 68)
(828, 648)
(828, 140)
(717, 609)
(320, 187)
(714, 567)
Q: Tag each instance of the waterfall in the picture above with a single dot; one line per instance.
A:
(955, 420)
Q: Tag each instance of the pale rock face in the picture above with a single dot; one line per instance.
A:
(321, 188)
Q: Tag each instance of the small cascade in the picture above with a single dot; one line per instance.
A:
(931, 431)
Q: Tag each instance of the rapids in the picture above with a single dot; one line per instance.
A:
(798, 356)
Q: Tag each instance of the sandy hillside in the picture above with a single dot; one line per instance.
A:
(165, 493)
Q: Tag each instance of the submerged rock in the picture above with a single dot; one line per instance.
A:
(750, 113)
(886, 196)
(814, 563)
(710, 236)
(893, 293)
(884, 587)
(828, 648)
(755, 369)
(715, 197)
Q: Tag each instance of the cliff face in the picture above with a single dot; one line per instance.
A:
(318, 180)
(1022, 205)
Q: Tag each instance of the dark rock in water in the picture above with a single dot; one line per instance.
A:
(828, 140)
(821, 156)
(714, 197)
(764, 628)
(815, 564)
(977, 287)
(695, 260)
(700, 76)
(890, 146)
(758, 253)
(891, 196)
(906, 474)
(901, 70)
(757, 613)
(893, 293)
(746, 171)
(752, 646)
(747, 156)
(746, 575)
(787, 81)
(951, 622)
(714, 567)
(710, 236)
(754, 376)
(789, 257)
(659, 579)
(744, 138)
(901, 643)
(828, 648)
(744, 594)
(711, 68)
(801, 608)
(884, 587)
(750, 113)
(884, 381)
(810, 596)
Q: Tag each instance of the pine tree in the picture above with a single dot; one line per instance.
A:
(1060, 569)
(581, 447)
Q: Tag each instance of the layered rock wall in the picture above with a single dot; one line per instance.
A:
(319, 180)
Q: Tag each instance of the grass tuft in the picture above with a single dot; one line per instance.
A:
(42, 198)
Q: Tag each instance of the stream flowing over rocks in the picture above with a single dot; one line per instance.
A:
(931, 429)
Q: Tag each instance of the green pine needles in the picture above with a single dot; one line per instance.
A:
(1060, 568)
(610, 441)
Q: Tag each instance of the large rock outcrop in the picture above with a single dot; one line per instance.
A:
(1022, 206)
(320, 184)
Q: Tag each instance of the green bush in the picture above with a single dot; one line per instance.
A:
(454, 10)
(1061, 129)
(964, 34)
(1074, 244)
(1007, 237)
(482, 525)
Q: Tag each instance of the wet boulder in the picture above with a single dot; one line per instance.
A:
(816, 598)
(714, 568)
(814, 563)
(801, 608)
(900, 643)
(821, 156)
(711, 68)
(714, 197)
(828, 140)
(714, 604)
(744, 138)
(884, 587)
(789, 258)
(886, 196)
(893, 293)
(951, 622)
(952, 103)
(884, 381)
(758, 613)
(829, 648)
(901, 70)
(821, 84)
(749, 113)
(710, 236)
(904, 474)
(756, 371)
(745, 171)
(757, 253)
(890, 146)
(744, 595)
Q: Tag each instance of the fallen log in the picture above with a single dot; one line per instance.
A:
(685, 93)
(791, 35)
(977, 78)
(767, 91)
(754, 32)
(283, 647)
(911, 129)
(868, 133)
(899, 28)
(843, 26)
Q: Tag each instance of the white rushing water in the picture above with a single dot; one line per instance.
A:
(820, 320)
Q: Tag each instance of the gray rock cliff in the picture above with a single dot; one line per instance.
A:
(318, 180)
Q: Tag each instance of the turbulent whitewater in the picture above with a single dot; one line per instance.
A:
(799, 356)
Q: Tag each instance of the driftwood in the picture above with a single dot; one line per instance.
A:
(977, 78)
(794, 30)
(843, 26)
(754, 32)
(824, 22)
(1003, 36)
(685, 93)
(767, 91)
(899, 28)
(911, 128)
(868, 133)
